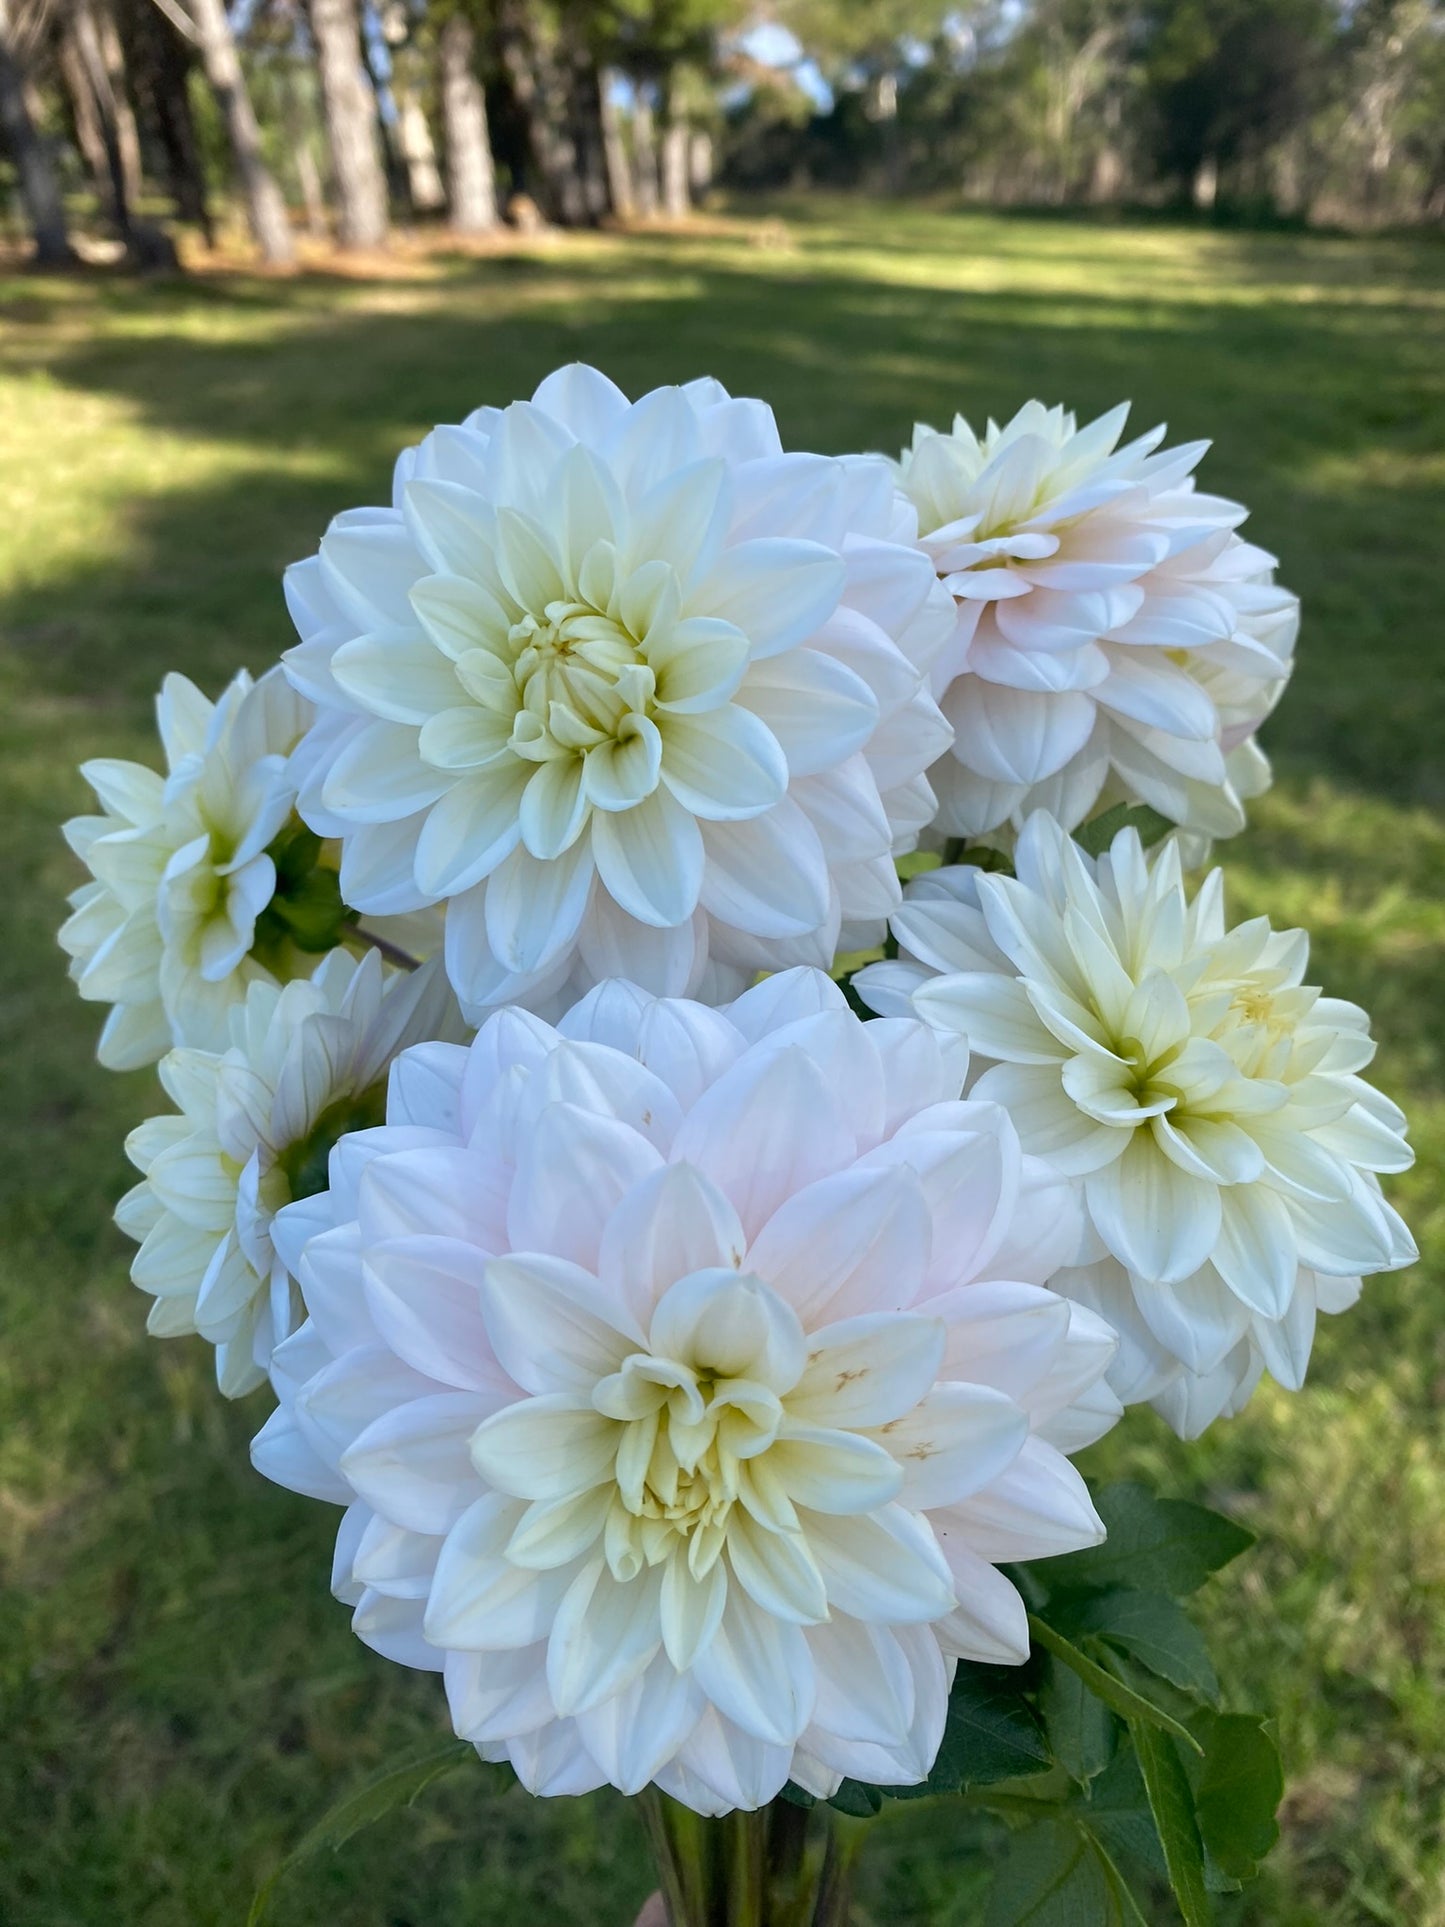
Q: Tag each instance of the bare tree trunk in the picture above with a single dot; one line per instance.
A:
(265, 207)
(162, 52)
(297, 121)
(644, 159)
(676, 201)
(699, 162)
(39, 188)
(94, 80)
(127, 134)
(351, 125)
(614, 148)
(471, 178)
(540, 91)
(418, 152)
(85, 113)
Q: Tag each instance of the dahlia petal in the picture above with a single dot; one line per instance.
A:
(723, 766)
(670, 1223)
(1039, 1505)
(867, 1371)
(1200, 1319)
(767, 875)
(815, 708)
(1156, 1219)
(956, 1440)
(535, 908)
(547, 1321)
(990, 1623)
(480, 1603)
(603, 1637)
(850, 1241)
(547, 1448)
(472, 827)
(775, 589)
(758, 1672)
(651, 859)
(411, 1463)
(573, 1155)
(745, 1134)
(882, 1567)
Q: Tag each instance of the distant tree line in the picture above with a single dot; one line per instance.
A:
(340, 118)
(1323, 109)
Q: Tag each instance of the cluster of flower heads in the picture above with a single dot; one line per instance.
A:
(689, 1352)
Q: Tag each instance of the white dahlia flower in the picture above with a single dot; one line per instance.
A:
(1207, 1101)
(632, 690)
(1115, 639)
(167, 932)
(683, 1376)
(254, 1127)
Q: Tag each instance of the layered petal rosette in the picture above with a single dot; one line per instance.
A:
(1115, 639)
(167, 931)
(252, 1130)
(627, 687)
(1205, 1098)
(685, 1376)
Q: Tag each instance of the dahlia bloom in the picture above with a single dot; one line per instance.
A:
(165, 933)
(1207, 1101)
(253, 1127)
(631, 690)
(685, 1378)
(1115, 639)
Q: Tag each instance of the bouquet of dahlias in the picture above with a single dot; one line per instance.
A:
(688, 1256)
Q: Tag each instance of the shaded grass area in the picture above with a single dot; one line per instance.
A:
(180, 1695)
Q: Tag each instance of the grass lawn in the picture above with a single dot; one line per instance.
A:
(179, 1696)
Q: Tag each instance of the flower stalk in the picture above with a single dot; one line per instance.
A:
(781, 1866)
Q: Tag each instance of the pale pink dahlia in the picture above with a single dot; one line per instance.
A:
(1115, 640)
(686, 1377)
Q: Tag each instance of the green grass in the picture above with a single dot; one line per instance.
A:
(180, 1695)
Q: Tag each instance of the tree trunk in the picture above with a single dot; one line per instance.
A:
(699, 162)
(93, 81)
(39, 188)
(127, 134)
(471, 178)
(351, 125)
(85, 113)
(418, 152)
(265, 207)
(542, 97)
(676, 201)
(297, 121)
(644, 160)
(614, 147)
(162, 64)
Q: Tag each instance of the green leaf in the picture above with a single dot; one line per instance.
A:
(1081, 1730)
(1052, 1877)
(991, 1734)
(1095, 837)
(1154, 1545)
(1155, 1631)
(858, 1799)
(1129, 1909)
(1124, 1700)
(1239, 1790)
(1172, 1803)
(398, 1786)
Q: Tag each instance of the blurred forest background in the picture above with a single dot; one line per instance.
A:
(127, 124)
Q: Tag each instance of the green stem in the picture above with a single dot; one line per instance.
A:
(835, 1887)
(393, 953)
(752, 1869)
